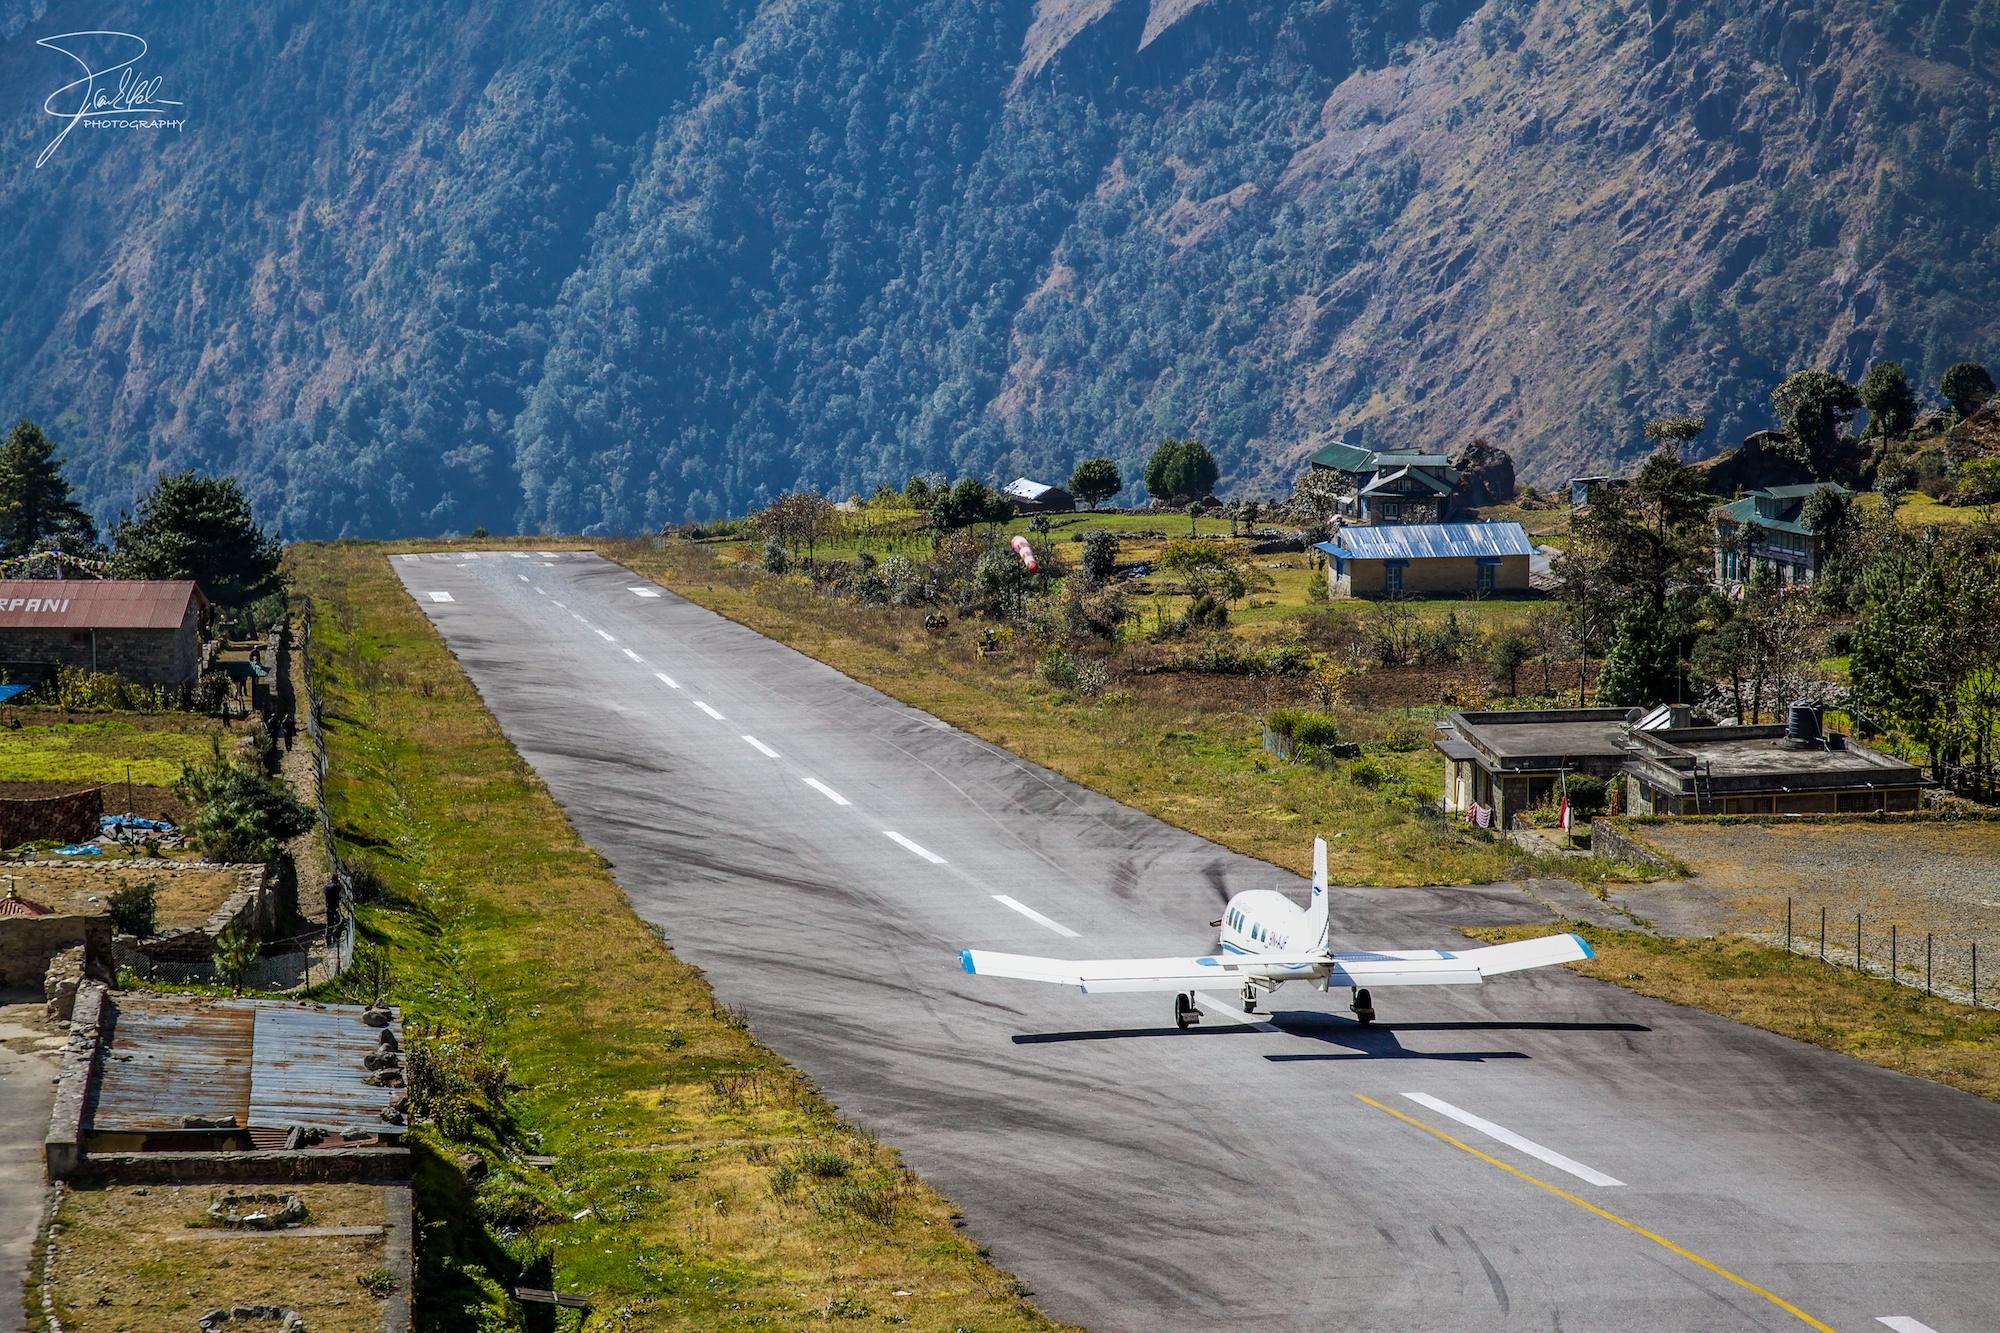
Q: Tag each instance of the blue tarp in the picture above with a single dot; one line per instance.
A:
(9, 691)
(112, 823)
(80, 849)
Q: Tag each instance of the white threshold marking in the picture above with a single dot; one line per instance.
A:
(827, 792)
(666, 680)
(1902, 1323)
(472, 555)
(518, 555)
(546, 555)
(706, 709)
(1589, 1175)
(634, 656)
(761, 748)
(1233, 1013)
(644, 592)
(924, 852)
(1032, 915)
(409, 557)
(440, 597)
(602, 635)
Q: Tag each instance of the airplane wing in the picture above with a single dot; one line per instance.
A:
(1435, 967)
(1226, 971)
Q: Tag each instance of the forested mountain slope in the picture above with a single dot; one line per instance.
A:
(570, 265)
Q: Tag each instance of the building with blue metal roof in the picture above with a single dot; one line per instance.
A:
(1428, 559)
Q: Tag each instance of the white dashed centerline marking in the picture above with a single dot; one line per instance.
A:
(1902, 1323)
(1589, 1175)
(562, 605)
(602, 635)
(1032, 915)
(440, 597)
(644, 592)
(760, 747)
(706, 709)
(634, 656)
(909, 846)
(666, 680)
(540, 591)
(827, 792)
(522, 577)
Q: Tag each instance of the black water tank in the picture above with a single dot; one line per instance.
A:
(1802, 723)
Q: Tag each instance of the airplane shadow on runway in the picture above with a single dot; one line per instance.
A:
(1378, 1041)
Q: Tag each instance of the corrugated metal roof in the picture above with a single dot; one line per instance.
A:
(15, 905)
(269, 1064)
(168, 1059)
(1021, 488)
(308, 1069)
(1342, 457)
(1429, 541)
(96, 603)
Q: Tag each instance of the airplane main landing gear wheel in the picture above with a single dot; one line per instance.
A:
(1249, 998)
(1364, 1008)
(1185, 1014)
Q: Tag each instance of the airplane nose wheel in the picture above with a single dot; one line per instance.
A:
(1364, 1007)
(1185, 1014)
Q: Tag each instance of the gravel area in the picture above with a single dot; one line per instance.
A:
(1941, 878)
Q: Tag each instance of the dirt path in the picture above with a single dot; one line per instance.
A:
(30, 1055)
(1942, 879)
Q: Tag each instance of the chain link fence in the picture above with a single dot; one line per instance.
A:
(1949, 966)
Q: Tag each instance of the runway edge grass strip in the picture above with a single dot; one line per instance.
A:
(1608, 1216)
(699, 1180)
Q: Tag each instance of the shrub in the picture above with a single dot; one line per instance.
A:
(242, 814)
(1368, 772)
(776, 559)
(1100, 555)
(455, 1081)
(377, 1282)
(1976, 482)
(1207, 613)
(821, 1163)
(1587, 796)
(1080, 675)
(133, 909)
(235, 952)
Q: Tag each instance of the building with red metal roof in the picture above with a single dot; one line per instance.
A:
(145, 630)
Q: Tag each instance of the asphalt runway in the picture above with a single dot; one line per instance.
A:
(1542, 1152)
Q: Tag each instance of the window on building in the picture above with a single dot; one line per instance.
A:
(1487, 577)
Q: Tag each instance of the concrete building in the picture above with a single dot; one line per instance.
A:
(1032, 497)
(1428, 559)
(1777, 539)
(1388, 485)
(147, 631)
(1506, 762)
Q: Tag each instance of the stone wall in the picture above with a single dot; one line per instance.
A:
(71, 818)
(360, 1166)
(1612, 843)
(189, 954)
(27, 943)
(62, 1145)
(147, 656)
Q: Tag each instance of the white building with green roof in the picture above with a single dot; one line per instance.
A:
(1765, 530)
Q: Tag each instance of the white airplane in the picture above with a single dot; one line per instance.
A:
(1268, 940)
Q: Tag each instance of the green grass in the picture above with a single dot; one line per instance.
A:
(1918, 511)
(665, 1117)
(99, 751)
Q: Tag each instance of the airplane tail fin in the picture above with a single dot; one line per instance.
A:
(1318, 927)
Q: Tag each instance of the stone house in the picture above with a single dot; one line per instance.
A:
(147, 631)
(1387, 485)
(1777, 538)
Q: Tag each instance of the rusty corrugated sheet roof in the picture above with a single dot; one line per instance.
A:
(96, 603)
(168, 1059)
(270, 1064)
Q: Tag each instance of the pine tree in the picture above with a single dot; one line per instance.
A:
(1643, 666)
(36, 511)
(200, 528)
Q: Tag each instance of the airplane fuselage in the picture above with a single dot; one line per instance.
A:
(1264, 921)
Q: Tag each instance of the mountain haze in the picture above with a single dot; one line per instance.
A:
(602, 266)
